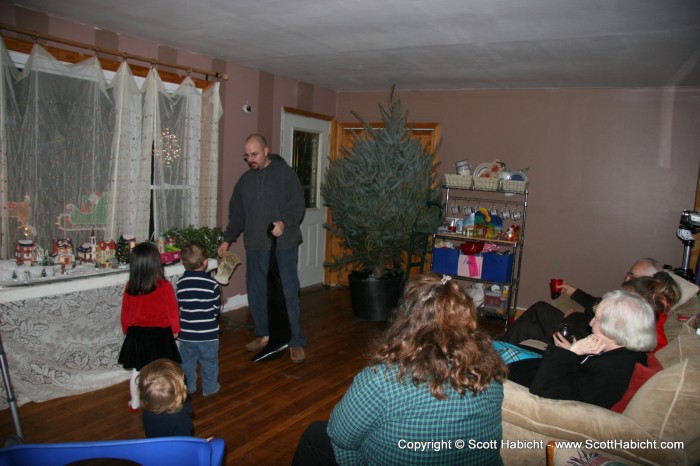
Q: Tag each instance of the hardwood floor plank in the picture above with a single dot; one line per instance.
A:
(262, 408)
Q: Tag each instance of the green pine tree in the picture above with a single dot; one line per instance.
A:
(209, 237)
(122, 251)
(379, 191)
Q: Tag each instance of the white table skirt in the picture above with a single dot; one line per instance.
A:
(64, 338)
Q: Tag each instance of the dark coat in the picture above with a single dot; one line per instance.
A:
(563, 375)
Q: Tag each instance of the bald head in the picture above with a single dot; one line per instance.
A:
(645, 267)
(259, 138)
(256, 152)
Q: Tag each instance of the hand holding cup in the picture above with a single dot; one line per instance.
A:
(564, 336)
(555, 287)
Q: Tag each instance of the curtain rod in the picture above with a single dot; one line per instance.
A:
(126, 56)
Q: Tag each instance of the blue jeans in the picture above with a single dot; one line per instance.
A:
(207, 354)
(257, 264)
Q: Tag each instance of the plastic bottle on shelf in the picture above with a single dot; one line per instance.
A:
(505, 292)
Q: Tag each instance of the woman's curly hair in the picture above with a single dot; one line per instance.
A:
(434, 340)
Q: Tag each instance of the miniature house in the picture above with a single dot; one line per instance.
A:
(105, 252)
(24, 251)
(87, 252)
(63, 251)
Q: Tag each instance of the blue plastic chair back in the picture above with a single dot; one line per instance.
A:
(185, 451)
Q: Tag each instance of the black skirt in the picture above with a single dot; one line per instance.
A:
(143, 345)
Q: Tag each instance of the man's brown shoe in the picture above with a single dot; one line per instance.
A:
(297, 353)
(257, 344)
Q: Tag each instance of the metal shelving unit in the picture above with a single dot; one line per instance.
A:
(475, 197)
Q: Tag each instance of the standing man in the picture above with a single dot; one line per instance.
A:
(269, 193)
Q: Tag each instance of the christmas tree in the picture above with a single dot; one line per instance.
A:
(379, 191)
(122, 252)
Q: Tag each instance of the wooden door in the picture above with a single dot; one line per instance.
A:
(343, 135)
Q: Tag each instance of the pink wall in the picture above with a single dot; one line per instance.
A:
(610, 170)
(266, 93)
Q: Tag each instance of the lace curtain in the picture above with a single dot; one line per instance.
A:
(79, 153)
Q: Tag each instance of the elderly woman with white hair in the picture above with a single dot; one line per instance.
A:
(596, 369)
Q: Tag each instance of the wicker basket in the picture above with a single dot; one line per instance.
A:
(486, 184)
(511, 186)
(458, 181)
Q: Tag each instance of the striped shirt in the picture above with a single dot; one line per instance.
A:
(199, 299)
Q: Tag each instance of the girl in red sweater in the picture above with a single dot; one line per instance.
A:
(150, 316)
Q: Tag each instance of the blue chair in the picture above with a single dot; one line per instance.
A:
(185, 451)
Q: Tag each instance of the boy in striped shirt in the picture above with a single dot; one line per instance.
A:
(199, 298)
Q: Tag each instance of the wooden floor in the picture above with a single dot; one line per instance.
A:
(262, 408)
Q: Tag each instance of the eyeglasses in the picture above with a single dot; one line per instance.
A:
(630, 276)
(252, 155)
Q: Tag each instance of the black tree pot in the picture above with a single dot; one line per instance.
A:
(375, 299)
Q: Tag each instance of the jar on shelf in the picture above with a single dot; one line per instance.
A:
(463, 167)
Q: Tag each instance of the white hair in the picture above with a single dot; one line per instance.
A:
(627, 319)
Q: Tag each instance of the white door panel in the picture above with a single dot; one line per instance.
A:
(313, 248)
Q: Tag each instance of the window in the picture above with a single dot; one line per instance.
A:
(83, 150)
(305, 147)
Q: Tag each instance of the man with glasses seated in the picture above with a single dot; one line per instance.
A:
(540, 321)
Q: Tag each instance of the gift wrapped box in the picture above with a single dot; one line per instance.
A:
(470, 265)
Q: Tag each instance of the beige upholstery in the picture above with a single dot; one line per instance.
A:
(665, 408)
(564, 303)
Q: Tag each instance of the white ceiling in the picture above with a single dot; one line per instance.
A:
(369, 45)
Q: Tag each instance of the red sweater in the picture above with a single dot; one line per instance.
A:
(661, 339)
(156, 309)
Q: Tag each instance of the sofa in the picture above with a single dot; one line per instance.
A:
(665, 408)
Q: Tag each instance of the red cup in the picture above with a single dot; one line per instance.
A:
(555, 286)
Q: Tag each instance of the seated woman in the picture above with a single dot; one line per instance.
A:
(596, 369)
(662, 292)
(540, 320)
(433, 381)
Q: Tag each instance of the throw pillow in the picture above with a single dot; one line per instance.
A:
(668, 403)
(688, 289)
(640, 375)
(684, 346)
(653, 363)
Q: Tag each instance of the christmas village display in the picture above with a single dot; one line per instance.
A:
(33, 262)
(88, 213)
